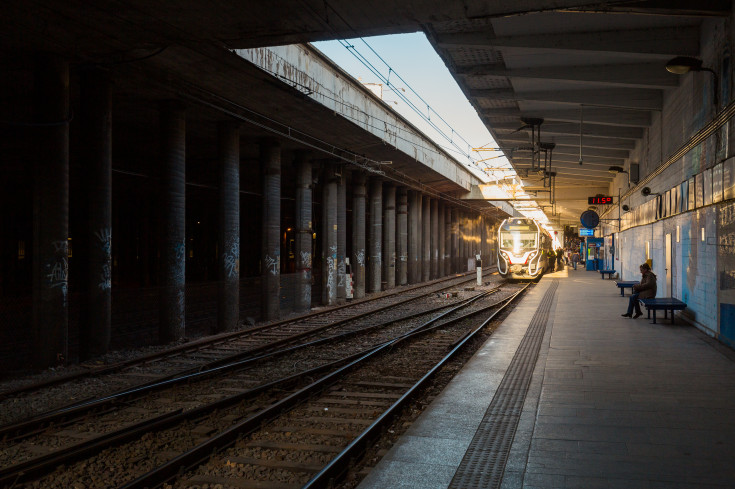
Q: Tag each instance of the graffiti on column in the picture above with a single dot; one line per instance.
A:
(232, 259)
(104, 239)
(305, 259)
(180, 301)
(179, 251)
(360, 255)
(179, 264)
(58, 267)
(331, 267)
(104, 236)
(306, 291)
(105, 278)
(271, 264)
(341, 272)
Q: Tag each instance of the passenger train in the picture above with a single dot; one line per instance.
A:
(525, 249)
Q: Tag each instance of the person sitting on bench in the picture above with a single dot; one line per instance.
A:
(644, 290)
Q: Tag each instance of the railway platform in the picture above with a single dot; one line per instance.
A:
(569, 394)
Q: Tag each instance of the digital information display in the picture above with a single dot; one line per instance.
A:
(586, 232)
(599, 200)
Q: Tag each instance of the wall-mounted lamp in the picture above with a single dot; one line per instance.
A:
(619, 169)
(646, 191)
(626, 208)
(681, 65)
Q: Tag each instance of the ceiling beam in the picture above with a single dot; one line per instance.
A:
(479, 10)
(564, 169)
(627, 98)
(660, 41)
(587, 142)
(606, 162)
(703, 8)
(573, 128)
(568, 150)
(573, 192)
(650, 75)
(613, 154)
(612, 117)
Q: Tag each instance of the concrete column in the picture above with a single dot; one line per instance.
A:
(448, 240)
(455, 241)
(475, 241)
(302, 299)
(470, 236)
(434, 238)
(173, 151)
(463, 233)
(402, 241)
(228, 300)
(375, 237)
(51, 212)
(358, 234)
(341, 235)
(329, 236)
(389, 235)
(414, 237)
(270, 250)
(483, 240)
(426, 239)
(96, 155)
(441, 236)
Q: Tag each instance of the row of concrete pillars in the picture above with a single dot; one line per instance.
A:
(51, 215)
(409, 238)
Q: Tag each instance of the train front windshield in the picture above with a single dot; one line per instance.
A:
(517, 241)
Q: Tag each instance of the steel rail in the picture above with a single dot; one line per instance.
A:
(341, 462)
(68, 413)
(31, 426)
(46, 463)
(209, 341)
(200, 453)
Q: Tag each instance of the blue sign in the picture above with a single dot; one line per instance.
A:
(586, 232)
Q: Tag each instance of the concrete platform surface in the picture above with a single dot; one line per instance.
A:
(613, 402)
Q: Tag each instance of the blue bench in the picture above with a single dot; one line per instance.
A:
(663, 303)
(624, 285)
(608, 272)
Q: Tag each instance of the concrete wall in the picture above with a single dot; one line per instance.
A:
(697, 193)
(327, 84)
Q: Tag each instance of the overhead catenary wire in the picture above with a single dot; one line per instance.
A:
(425, 117)
(314, 88)
(303, 138)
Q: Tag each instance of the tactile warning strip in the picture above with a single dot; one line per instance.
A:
(484, 462)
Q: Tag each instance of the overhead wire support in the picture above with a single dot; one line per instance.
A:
(427, 118)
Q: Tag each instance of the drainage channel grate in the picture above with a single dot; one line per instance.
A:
(484, 462)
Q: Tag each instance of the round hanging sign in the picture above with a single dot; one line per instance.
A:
(589, 219)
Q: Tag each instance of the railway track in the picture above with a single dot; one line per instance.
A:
(181, 430)
(201, 355)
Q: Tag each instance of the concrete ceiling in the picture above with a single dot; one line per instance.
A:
(595, 68)
(591, 82)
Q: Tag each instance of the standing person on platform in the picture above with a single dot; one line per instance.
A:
(559, 258)
(575, 259)
(644, 290)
